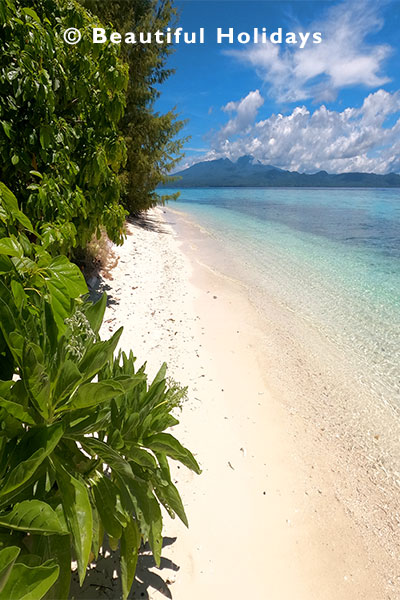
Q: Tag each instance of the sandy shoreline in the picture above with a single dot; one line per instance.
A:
(265, 518)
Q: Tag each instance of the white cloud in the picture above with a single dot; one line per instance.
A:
(246, 111)
(356, 139)
(344, 58)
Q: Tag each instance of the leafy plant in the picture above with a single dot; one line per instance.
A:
(153, 142)
(83, 447)
(60, 146)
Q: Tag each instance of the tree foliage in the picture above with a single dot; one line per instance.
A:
(152, 139)
(60, 106)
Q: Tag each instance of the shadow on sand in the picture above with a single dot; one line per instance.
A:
(149, 222)
(102, 579)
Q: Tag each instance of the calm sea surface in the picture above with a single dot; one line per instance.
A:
(330, 256)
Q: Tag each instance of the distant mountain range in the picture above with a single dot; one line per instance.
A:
(249, 172)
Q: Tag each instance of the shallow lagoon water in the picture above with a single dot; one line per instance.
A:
(331, 256)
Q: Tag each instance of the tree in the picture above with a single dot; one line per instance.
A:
(60, 107)
(153, 145)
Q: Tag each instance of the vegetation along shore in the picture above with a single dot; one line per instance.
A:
(166, 365)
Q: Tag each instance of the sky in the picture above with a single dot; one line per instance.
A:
(333, 105)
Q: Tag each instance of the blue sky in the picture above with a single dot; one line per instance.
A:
(333, 105)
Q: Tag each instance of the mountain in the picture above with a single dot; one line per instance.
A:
(249, 172)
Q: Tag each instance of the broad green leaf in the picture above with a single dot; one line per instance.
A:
(45, 136)
(167, 444)
(8, 198)
(155, 533)
(33, 516)
(6, 387)
(78, 514)
(98, 355)
(130, 543)
(142, 457)
(23, 219)
(160, 377)
(6, 128)
(16, 345)
(60, 301)
(96, 532)
(18, 293)
(24, 265)
(135, 496)
(29, 583)
(69, 275)
(95, 313)
(167, 492)
(107, 503)
(31, 13)
(5, 264)
(45, 437)
(11, 247)
(97, 447)
(92, 394)
(170, 498)
(37, 381)
(7, 559)
(17, 411)
(68, 378)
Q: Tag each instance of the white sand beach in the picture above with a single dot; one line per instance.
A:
(266, 522)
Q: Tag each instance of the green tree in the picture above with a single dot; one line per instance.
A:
(60, 108)
(152, 139)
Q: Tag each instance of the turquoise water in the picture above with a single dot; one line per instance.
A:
(330, 256)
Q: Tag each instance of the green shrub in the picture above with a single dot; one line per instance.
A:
(83, 447)
(60, 105)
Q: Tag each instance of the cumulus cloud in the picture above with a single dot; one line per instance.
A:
(355, 139)
(246, 111)
(344, 58)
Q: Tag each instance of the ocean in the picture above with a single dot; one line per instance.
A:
(331, 257)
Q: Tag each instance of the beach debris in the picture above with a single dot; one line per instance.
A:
(230, 465)
(243, 451)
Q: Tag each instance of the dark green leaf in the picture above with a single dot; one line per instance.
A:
(98, 355)
(91, 394)
(45, 437)
(67, 379)
(11, 247)
(130, 543)
(95, 313)
(29, 583)
(167, 444)
(7, 559)
(69, 275)
(107, 503)
(78, 514)
(32, 516)
(17, 411)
